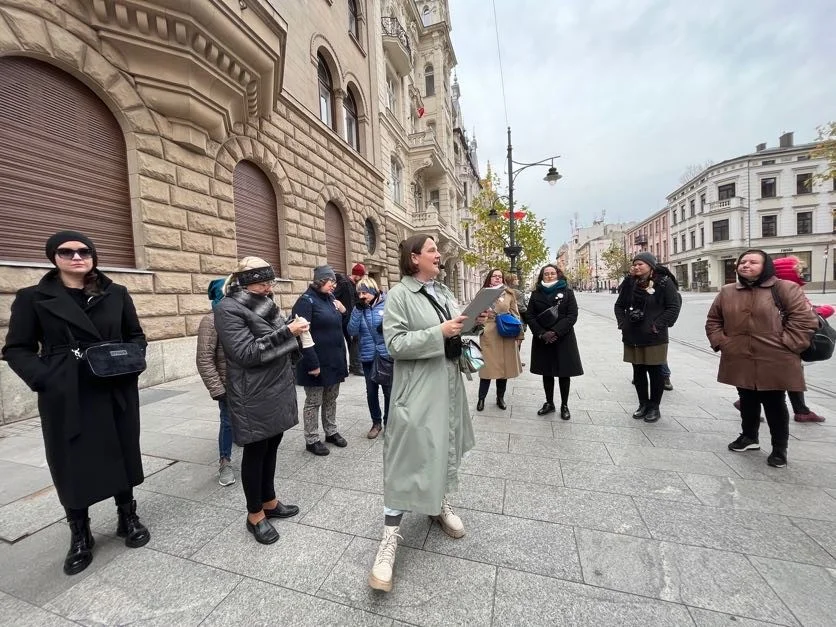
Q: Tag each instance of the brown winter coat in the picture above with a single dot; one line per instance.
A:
(502, 359)
(211, 362)
(757, 350)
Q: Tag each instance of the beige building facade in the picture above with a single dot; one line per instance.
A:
(428, 161)
(181, 136)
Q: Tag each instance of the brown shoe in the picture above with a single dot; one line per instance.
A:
(374, 431)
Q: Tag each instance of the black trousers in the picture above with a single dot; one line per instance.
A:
(548, 387)
(485, 385)
(258, 471)
(83, 514)
(774, 409)
(641, 375)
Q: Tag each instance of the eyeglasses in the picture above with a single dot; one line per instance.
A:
(70, 253)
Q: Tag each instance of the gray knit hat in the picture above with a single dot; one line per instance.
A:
(320, 273)
(648, 258)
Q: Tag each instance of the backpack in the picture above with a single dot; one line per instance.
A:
(823, 340)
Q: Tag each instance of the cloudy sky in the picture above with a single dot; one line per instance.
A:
(630, 92)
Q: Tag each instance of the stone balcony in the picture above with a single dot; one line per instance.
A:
(396, 45)
(736, 202)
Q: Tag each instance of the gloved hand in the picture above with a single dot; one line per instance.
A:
(548, 337)
(361, 304)
(220, 397)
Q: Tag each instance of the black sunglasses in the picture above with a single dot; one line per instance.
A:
(70, 253)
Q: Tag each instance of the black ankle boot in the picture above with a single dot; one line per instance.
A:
(134, 532)
(480, 404)
(500, 402)
(81, 547)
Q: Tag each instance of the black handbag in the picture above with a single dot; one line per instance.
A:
(383, 369)
(110, 359)
(824, 338)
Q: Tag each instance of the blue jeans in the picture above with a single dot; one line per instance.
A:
(225, 433)
(372, 397)
(666, 371)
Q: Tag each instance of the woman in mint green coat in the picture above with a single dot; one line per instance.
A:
(429, 426)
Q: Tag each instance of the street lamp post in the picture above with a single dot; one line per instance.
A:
(513, 250)
(824, 274)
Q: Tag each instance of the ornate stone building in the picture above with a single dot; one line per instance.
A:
(428, 161)
(181, 136)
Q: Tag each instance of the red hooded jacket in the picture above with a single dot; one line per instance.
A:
(785, 269)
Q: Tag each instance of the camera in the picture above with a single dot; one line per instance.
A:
(635, 315)
(453, 347)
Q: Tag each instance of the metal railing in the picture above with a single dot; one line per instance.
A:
(392, 28)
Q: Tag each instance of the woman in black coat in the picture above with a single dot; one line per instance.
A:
(323, 366)
(260, 394)
(648, 303)
(551, 315)
(90, 425)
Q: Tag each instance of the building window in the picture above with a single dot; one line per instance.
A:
(673, 216)
(702, 203)
(326, 93)
(768, 162)
(693, 240)
(429, 80)
(803, 158)
(371, 236)
(391, 95)
(702, 236)
(724, 192)
(768, 187)
(397, 181)
(665, 250)
(353, 19)
(352, 132)
(720, 230)
(804, 183)
(804, 223)
(693, 207)
(684, 247)
(675, 249)
(433, 199)
(769, 226)
(682, 212)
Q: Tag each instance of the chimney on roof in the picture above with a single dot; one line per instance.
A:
(760, 147)
(785, 141)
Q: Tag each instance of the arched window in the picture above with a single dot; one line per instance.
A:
(353, 19)
(326, 92)
(370, 234)
(396, 180)
(352, 131)
(63, 165)
(256, 215)
(426, 16)
(429, 80)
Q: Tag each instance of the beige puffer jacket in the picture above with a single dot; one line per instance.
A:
(211, 362)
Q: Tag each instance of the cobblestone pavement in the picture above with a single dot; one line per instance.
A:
(601, 520)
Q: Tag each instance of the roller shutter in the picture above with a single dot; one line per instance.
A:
(335, 238)
(62, 165)
(256, 215)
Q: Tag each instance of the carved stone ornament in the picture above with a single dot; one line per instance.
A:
(205, 64)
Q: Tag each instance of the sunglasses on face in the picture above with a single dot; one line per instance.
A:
(70, 253)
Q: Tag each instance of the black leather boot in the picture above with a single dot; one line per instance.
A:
(134, 532)
(500, 402)
(81, 547)
(480, 404)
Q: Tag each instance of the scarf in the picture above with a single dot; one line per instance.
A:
(262, 306)
(550, 288)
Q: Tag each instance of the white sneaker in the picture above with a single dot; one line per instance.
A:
(226, 476)
(381, 576)
(451, 524)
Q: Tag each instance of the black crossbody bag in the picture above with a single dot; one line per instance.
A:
(452, 345)
(110, 359)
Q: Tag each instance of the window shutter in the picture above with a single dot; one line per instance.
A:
(335, 238)
(62, 165)
(256, 215)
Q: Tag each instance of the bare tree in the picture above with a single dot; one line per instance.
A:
(693, 170)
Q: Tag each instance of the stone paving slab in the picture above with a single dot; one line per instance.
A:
(599, 520)
(705, 578)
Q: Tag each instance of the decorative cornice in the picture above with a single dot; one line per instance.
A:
(212, 63)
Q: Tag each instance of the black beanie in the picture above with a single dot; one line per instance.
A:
(648, 258)
(62, 237)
